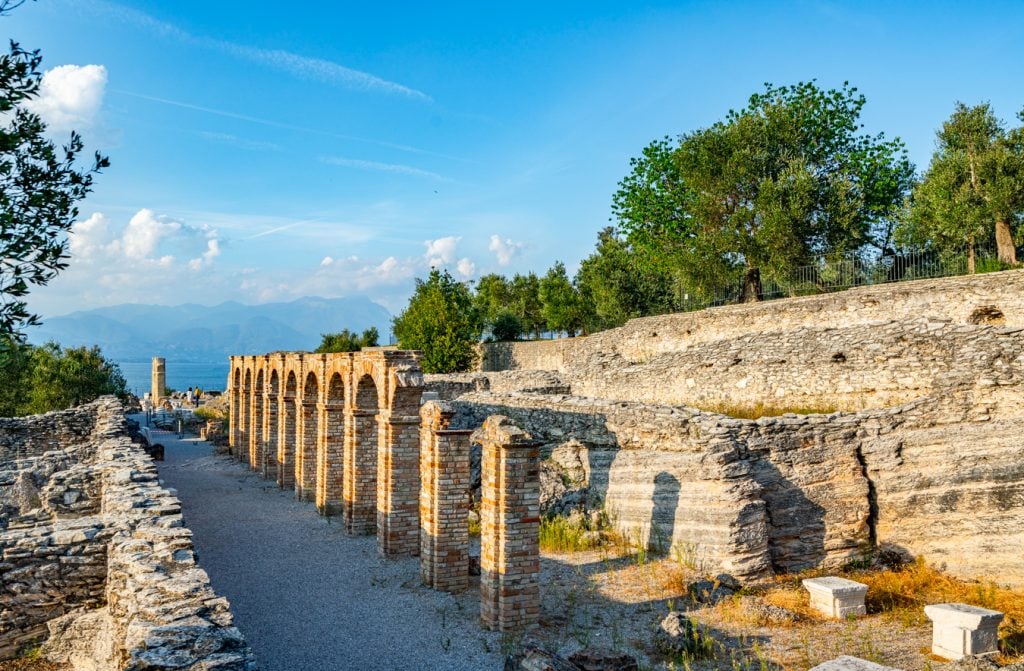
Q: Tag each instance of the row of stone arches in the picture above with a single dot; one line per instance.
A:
(347, 431)
(320, 424)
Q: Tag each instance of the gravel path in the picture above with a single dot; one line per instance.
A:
(305, 595)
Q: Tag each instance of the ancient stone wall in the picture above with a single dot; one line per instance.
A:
(992, 298)
(94, 551)
(36, 434)
(823, 369)
(786, 493)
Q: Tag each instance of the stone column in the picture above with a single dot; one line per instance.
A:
(444, 493)
(305, 452)
(271, 426)
(159, 380)
(398, 485)
(360, 489)
(255, 426)
(234, 398)
(287, 440)
(509, 522)
(330, 457)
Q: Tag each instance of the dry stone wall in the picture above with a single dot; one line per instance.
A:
(993, 298)
(93, 550)
(851, 368)
(32, 436)
(935, 477)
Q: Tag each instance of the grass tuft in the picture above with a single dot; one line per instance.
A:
(761, 409)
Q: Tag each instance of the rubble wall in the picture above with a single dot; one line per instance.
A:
(991, 298)
(821, 369)
(94, 552)
(935, 477)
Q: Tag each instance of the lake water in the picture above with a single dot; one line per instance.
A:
(180, 375)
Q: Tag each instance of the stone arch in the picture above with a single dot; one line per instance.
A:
(256, 446)
(360, 487)
(305, 457)
(271, 425)
(288, 438)
(330, 457)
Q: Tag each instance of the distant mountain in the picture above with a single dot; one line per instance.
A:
(199, 333)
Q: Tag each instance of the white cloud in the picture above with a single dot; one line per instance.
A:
(327, 261)
(466, 268)
(70, 96)
(441, 252)
(206, 260)
(90, 237)
(144, 233)
(505, 250)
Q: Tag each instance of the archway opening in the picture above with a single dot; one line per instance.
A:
(256, 446)
(330, 460)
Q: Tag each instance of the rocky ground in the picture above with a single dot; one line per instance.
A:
(307, 596)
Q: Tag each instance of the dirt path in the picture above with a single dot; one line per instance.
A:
(305, 595)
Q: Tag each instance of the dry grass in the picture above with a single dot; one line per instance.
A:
(900, 595)
(760, 409)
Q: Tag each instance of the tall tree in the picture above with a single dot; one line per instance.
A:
(618, 286)
(762, 192)
(347, 341)
(440, 321)
(39, 188)
(525, 297)
(492, 298)
(973, 190)
(561, 303)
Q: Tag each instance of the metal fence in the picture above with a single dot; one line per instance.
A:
(827, 275)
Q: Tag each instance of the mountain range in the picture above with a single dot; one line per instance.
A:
(200, 333)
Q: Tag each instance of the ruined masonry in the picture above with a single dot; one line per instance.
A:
(347, 431)
(94, 553)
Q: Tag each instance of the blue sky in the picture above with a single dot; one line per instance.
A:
(266, 151)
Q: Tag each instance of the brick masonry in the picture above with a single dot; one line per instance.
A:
(509, 526)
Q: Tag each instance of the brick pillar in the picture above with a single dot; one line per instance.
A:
(305, 452)
(242, 444)
(256, 429)
(398, 485)
(234, 421)
(360, 490)
(330, 457)
(444, 494)
(270, 428)
(509, 521)
(287, 439)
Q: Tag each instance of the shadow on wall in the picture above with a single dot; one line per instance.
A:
(796, 532)
(664, 508)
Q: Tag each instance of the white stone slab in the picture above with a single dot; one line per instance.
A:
(847, 663)
(960, 630)
(837, 597)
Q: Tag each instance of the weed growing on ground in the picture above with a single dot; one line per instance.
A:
(760, 409)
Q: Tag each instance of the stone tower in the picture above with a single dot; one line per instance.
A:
(159, 380)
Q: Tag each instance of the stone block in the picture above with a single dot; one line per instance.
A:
(847, 663)
(837, 597)
(960, 630)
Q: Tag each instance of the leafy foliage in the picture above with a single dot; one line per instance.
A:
(506, 326)
(347, 341)
(619, 286)
(562, 306)
(48, 377)
(973, 190)
(772, 185)
(440, 321)
(39, 188)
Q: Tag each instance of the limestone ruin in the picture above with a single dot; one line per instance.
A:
(95, 554)
(917, 450)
